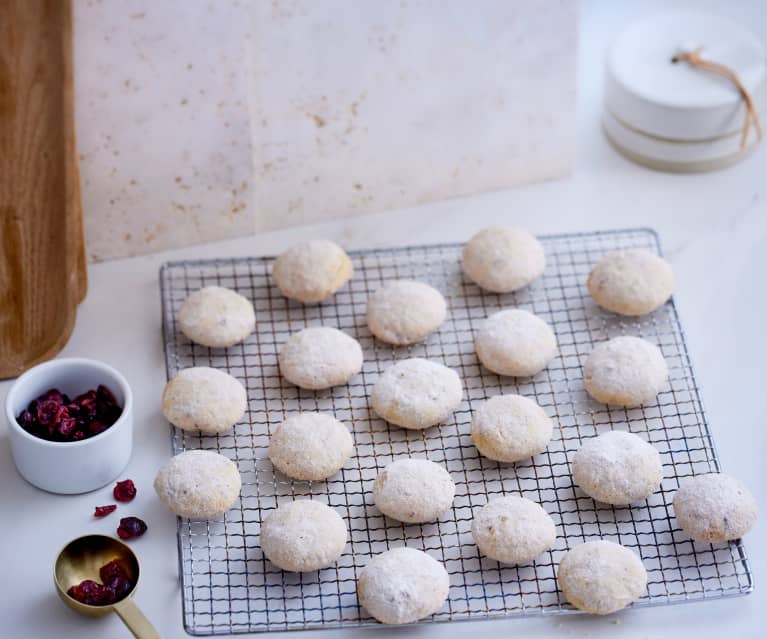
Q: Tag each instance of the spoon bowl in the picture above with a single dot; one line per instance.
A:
(81, 559)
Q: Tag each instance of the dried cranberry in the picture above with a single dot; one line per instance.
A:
(124, 490)
(88, 397)
(120, 586)
(96, 427)
(47, 411)
(113, 569)
(56, 417)
(66, 427)
(25, 419)
(131, 527)
(116, 586)
(103, 511)
(53, 394)
(92, 593)
(104, 395)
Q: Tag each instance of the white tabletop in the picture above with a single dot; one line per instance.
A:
(713, 228)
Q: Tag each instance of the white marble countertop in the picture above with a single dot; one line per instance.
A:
(714, 230)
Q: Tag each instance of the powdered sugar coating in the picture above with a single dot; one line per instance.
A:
(312, 271)
(513, 530)
(516, 343)
(204, 399)
(625, 371)
(508, 428)
(631, 282)
(403, 585)
(413, 490)
(198, 484)
(302, 536)
(320, 357)
(502, 259)
(416, 393)
(601, 577)
(405, 311)
(714, 508)
(617, 468)
(216, 317)
(310, 446)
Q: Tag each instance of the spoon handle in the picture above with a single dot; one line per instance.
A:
(137, 623)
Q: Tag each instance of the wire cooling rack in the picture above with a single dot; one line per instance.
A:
(229, 587)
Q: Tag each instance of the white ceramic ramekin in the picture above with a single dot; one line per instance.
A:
(70, 467)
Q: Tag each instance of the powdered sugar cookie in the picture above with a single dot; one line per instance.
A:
(626, 371)
(617, 468)
(508, 428)
(403, 585)
(302, 536)
(416, 393)
(310, 446)
(204, 399)
(312, 271)
(216, 317)
(320, 357)
(515, 343)
(413, 490)
(601, 577)
(198, 484)
(502, 259)
(714, 508)
(631, 282)
(404, 312)
(513, 530)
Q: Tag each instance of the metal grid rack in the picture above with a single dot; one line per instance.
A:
(229, 587)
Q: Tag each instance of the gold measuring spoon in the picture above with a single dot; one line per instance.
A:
(81, 559)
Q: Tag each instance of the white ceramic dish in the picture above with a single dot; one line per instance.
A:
(674, 117)
(70, 467)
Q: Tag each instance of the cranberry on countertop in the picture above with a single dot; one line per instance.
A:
(103, 511)
(124, 490)
(131, 527)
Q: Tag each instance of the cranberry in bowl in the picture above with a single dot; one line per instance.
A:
(76, 430)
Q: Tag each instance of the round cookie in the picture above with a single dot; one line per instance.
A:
(204, 399)
(502, 259)
(513, 530)
(216, 317)
(320, 357)
(403, 585)
(617, 468)
(515, 343)
(508, 428)
(404, 312)
(413, 490)
(310, 446)
(198, 484)
(416, 393)
(625, 371)
(601, 577)
(631, 282)
(714, 508)
(312, 271)
(302, 536)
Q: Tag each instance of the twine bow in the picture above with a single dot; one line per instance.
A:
(695, 60)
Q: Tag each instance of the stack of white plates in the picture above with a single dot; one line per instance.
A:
(673, 117)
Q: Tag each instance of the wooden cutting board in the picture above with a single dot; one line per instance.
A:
(42, 251)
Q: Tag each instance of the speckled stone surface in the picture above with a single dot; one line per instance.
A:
(206, 120)
(162, 123)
